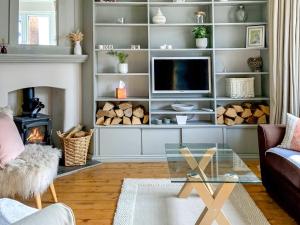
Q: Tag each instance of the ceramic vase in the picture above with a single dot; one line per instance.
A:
(255, 64)
(77, 48)
(123, 68)
(201, 42)
(241, 14)
(159, 18)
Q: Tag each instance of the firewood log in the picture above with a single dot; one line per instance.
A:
(125, 105)
(238, 120)
(108, 106)
(107, 122)
(220, 110)
(126, 120)
(128, 112)
(136, 120)
(230, 112)
(100, 120)
(262, 120)
(265, 109)
(138, 112)
(229, 122)
(119, 112)
(74, 130)
(220, 120)
(146, 119)
(251, 120)
(116, 121)
(247, 105)
(247, 113)
(111, 113)
(238, 108)
(258, 113)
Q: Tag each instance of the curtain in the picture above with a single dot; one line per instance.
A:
(284, 18)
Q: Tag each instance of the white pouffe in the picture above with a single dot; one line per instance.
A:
(12, 211)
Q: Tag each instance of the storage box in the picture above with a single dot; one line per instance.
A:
(240, 87)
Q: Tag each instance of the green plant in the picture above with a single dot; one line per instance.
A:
(201, 32)
(122, 56)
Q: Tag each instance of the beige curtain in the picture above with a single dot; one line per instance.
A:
(284, 17)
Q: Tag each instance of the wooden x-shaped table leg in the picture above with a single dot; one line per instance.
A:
(214, 200)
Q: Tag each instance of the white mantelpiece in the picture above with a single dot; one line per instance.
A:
(60, 72)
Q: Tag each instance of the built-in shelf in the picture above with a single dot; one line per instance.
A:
(241, 73)
(136, 99)
(239, 49)
(123, 126)
(121, 3)
(179, 3)
(122, 74)
(180, 49)
(122, 49)
(188, 124)
(181, 99)
(239, 2)
(179, 24)
(241, 24)
(243, 99)
(173, 112)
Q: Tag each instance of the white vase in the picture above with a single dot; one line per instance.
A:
(201, 42)
(77, 48)
(159, 18)
(123, 68)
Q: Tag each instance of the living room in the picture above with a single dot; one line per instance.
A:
(132, 112)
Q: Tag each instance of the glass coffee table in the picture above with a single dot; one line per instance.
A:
(199, 166)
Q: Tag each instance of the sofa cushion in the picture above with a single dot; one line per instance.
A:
(286, 163)
(11, 145)
(291, 138)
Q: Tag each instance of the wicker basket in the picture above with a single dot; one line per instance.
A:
(240, 87)
(75, 149)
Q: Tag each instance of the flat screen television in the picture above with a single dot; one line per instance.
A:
(181, 75)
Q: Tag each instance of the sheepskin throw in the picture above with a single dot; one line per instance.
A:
(30, 173)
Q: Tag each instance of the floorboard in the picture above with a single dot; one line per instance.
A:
(93, 193)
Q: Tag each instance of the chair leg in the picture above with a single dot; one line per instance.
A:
(38, 201)
(53, 192)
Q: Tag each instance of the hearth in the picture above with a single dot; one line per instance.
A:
(34, 127)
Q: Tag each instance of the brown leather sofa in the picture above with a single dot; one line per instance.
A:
(280, 174)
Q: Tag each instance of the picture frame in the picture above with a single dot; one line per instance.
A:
(255, 37)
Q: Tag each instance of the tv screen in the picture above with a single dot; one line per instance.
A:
(191, 75)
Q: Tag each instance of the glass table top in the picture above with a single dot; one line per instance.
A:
(207, 163)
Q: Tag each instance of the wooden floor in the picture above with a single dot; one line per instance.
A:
(93, 193)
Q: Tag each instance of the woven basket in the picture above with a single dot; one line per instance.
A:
(75, 149)
(240, 87)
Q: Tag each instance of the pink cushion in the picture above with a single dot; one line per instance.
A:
(11, 144)
(291, 138)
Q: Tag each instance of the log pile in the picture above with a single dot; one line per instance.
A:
(122, 113)
(246, 113)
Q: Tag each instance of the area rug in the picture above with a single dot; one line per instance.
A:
(154, 202)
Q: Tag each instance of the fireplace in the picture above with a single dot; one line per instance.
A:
(34, 127)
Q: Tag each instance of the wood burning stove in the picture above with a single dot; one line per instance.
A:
(34, 128)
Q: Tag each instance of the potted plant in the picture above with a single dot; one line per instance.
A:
(122, 57)
(76, 38)
(201, 33)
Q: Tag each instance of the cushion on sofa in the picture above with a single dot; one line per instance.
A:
(11, 144)
(285, 162)
(291, 138)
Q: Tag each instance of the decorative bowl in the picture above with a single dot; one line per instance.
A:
(182, 107)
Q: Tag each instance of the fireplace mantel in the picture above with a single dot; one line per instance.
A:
(39, 58)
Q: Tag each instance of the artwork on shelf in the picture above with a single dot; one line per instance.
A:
(255, 37)
(135, 47)
(159, 18)
(255, 64)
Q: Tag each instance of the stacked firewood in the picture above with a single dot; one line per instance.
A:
(246, 113)
(123, 113)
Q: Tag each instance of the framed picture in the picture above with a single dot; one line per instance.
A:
(255, 37)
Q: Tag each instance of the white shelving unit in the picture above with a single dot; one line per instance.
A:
(227, 50)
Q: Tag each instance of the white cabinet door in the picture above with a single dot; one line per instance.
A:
(120, 142)
(243, 141)
(154, 140)
(202, 135)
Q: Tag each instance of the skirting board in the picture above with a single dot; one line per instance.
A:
(151, 158)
